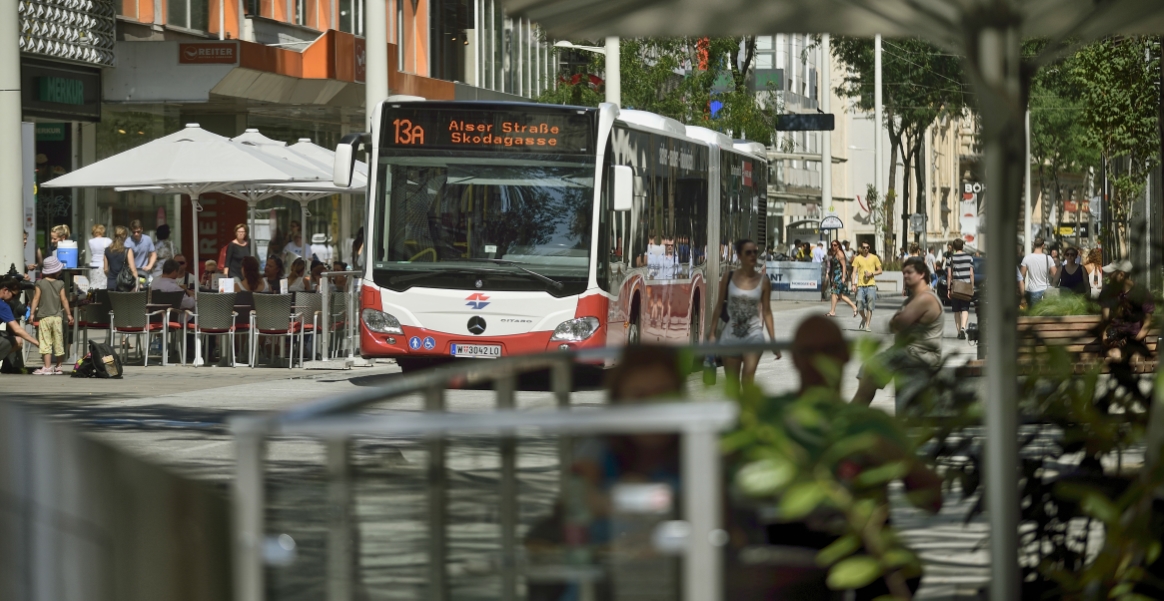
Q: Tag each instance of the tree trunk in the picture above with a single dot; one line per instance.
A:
(922, 204)
(891, 188)
(906, 190)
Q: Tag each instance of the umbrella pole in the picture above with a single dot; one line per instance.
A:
(196, 258)
(303, 231)
(251, 224)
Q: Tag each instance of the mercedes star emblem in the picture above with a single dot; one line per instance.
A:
(479, 283)
(476, 325)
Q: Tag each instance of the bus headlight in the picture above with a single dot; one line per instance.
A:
(381, 322)
(576, 330)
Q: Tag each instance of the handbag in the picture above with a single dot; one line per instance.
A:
(723, 314)
(125, 280)
(962, 291)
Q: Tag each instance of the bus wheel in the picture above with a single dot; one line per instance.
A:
(633, 333)
(695, 322)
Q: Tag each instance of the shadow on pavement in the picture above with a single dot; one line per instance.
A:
(585, 378)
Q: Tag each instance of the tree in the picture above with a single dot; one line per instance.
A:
(1058, 137)
(1119, 96)
(920, 82)
(679, 78)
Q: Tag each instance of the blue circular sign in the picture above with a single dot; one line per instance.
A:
(414, 343)
(429, 343)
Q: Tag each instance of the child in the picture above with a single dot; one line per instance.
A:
(48, 304)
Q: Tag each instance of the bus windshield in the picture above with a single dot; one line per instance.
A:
(485, 222)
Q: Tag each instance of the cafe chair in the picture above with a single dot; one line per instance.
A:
(273, 317)
(214, 316)
(130, 316)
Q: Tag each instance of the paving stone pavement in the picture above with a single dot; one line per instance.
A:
(176, 416)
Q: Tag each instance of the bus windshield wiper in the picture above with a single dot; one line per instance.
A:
(551, 281)
(400, 279)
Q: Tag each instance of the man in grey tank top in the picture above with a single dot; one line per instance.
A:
(917, 349)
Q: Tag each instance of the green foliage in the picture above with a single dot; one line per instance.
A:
(818, 453)
(1119, 95)
(1077, 429)
(1063, 305)
(663, 76)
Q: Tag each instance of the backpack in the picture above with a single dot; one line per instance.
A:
(99, 362)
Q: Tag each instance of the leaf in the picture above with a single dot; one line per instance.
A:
(839, 549)
(853, 573)
(800, 499)
(1099, 507)
(765, 477)
(898, 558)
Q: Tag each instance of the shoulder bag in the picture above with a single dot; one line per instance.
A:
(723, 314)
(125, 280)
(959, 289)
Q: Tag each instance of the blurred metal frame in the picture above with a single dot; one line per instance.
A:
(329, 419)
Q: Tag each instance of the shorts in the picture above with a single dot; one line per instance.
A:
(910, 373)
(1034, 297)
(50, 334)
(866, 298)
(958, 305)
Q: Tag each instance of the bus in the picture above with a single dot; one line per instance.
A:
(498, 229)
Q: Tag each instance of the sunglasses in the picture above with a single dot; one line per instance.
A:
(864, 248)
(181, 262)
(751, 252)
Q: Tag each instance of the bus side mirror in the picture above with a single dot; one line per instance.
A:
(622, 178)
(345, 160)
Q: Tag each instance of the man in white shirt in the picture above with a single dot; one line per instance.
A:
(818, 253)
(320, 249)
(1039, 271)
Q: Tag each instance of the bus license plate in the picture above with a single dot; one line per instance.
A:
(480, 351)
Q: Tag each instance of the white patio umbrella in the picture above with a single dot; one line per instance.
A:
(192, 161)
(253, 194)
(306, 193)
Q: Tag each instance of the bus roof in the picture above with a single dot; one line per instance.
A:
(652, 121)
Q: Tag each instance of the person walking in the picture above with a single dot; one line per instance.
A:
(1094, 268)
(49, 305)
(959, 268)
(119, 257)
(235, 251)
(917, 348)
(745, 296)
(1072, 277)
(838, 277)
(1039, 270)
(866, 267)
(97, 245)
(145, 254)
(932, 264)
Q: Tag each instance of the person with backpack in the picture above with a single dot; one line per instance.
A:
(13, 334)
(49, 305)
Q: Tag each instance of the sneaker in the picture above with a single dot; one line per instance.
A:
(43, 372)
(962, 334)
(57, 371)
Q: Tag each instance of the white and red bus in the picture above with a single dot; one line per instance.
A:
(497, 229)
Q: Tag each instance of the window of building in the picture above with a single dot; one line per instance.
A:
(188, 14)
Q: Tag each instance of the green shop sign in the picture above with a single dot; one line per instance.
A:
(50, 132)
(61, 90)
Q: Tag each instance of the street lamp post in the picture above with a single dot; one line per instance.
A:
(613, 72)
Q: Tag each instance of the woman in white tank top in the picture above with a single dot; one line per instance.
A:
(745, 296)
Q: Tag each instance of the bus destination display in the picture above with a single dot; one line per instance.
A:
(439, 129)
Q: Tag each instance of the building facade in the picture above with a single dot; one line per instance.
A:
(98, 81)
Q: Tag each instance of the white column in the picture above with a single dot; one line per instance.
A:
(613, 72)
(878, 154)
(376, 48)
(826, 137)
(11, 198)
